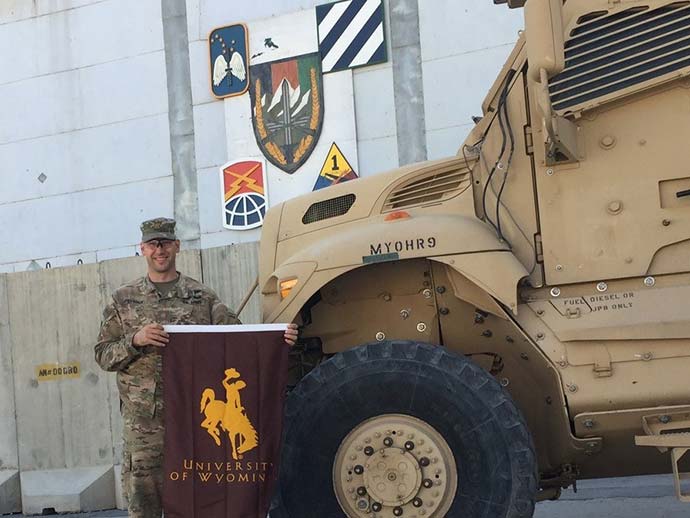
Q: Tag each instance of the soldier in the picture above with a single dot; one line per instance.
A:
(129, 343)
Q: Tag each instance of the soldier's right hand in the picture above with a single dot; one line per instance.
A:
(151, 334)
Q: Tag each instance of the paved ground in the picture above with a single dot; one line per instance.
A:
(634, 497)
(666, 507)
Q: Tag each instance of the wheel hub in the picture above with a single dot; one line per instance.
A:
(394, 465)
(392, 476)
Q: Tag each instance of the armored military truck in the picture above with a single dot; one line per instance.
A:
(482, 331)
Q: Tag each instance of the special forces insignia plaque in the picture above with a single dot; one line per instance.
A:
(228, 52)
(287, 109)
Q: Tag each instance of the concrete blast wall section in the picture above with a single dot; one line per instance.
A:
(60, 439)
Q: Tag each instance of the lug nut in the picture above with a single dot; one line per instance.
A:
(388, 441)
(397, 511)
(424, 462)
(376, 507)
(359, 469)
(427, 483)
(409, 446)
(417, 502)
(361, 490)
(368, 451)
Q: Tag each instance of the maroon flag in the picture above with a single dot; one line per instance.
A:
(224, 394)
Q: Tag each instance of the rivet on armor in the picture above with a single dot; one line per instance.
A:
(615, 207)
(607, 142)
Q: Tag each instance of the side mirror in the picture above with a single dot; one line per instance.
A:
(544, 32)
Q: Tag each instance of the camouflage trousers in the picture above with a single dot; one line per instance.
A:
(142, 466)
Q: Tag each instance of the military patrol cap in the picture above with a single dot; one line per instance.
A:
(158, 228)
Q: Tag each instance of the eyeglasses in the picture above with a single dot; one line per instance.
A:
(165, 244)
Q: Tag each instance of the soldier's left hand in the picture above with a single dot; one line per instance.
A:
(291, 334)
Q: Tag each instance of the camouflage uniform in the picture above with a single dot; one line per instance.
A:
(139, 375)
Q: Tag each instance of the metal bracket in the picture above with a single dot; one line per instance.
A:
(602, 362)
(664, 432)
(529, 141)
(538, 248)
(562, 141)
(678, 476)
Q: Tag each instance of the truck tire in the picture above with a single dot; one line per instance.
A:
(403, 428)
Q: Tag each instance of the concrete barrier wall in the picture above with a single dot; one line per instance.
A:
(52, 317)
(10, 501)
(231, 271)
(8, 426)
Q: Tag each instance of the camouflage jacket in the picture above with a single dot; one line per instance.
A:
(139, 369)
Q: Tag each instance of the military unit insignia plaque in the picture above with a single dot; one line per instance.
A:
(286, 98)
(335, 169)
(287, 109)
(243, 184)
(351, 34)
(229, 60)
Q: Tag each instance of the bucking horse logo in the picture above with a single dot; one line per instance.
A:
(230, 415)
